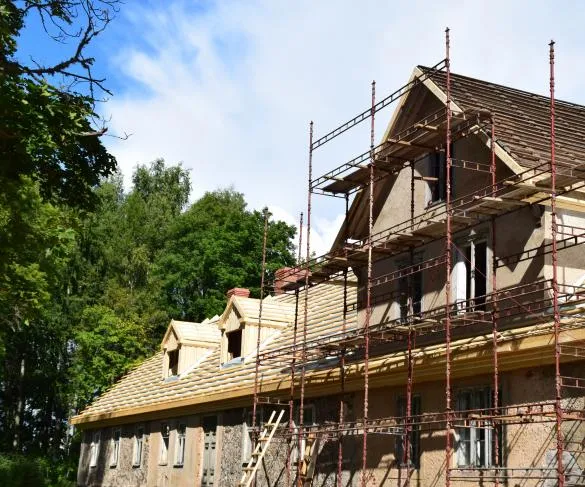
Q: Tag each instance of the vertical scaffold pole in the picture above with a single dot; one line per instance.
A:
(496, 392)
(342, 359)
(291, 401)
(448, 245)
(368, 316)
(555, 284)
(258, 335)
(410, 370)
(306, 306)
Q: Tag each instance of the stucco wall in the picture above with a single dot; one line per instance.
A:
(525, 443)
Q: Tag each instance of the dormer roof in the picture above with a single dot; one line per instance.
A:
(247, 310)
(205, 334)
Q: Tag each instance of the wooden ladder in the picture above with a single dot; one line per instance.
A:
(260, 450)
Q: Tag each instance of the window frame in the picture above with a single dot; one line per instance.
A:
(414, 442)
(116, 443)
(472, 301)
(247, 440)
(299, 448)
(174, 364)
(180, 445)
(94, 448)
(476, 434)
(405, 284)
(232, 333)
(438, 171)
(163, 457)
(138, 450)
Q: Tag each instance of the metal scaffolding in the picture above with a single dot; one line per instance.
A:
(547, 305)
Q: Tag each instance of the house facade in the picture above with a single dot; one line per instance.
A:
(183, 417)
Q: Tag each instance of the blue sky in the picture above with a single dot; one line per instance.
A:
(228, 87)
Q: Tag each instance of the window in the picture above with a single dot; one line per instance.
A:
(116, 435)
(180, 450)
(437, 173)
(234, 344)
(165, 431)
(247, 439)
(414, 435)
(94, 449)
(173, 362)
(308, 420)
(410, 290)
(471, 280)
(474, 439)
(138, 447)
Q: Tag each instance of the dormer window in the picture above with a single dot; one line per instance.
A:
(173, 362)
(186, 344)
(234, 339)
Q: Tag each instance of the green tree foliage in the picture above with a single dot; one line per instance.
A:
(106, 346)
(214, 246)
(90, 274)
(46, 112)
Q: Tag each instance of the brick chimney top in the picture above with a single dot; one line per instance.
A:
(238, 291)
(287, 275)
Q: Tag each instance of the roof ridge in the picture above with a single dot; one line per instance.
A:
(509, 88)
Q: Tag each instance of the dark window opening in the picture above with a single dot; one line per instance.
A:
(438, 171)
(173, 362)
(414, 433)
(411, 295)
(234, 347)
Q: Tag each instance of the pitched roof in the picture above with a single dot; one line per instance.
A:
(274, 310)
(187, 331)
(522, 119)
(145, 388)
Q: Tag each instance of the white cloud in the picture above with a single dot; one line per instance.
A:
(229, 90)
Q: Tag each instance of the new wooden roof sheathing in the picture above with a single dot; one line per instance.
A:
(144, 386)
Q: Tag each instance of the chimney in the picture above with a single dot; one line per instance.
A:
(287, 275)
(238, 291)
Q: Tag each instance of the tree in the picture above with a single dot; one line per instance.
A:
(46, 112)
(214, 246)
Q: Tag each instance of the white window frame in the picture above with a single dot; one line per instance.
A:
(459, 273)
(474, 439)
(116, 440)
(180, 442)
(94, 449)
(138, 450)
(165, 434)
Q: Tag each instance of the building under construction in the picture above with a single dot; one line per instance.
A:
(441, 341)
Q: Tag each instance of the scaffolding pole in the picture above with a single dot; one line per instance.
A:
(291, 401)
(368, 317)
(342, 360)
(306, 306)
(258, 335)
(494, 313)
(448, 249)
(555, 285)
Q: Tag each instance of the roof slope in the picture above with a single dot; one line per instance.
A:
(144, 386)
(522, 119)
